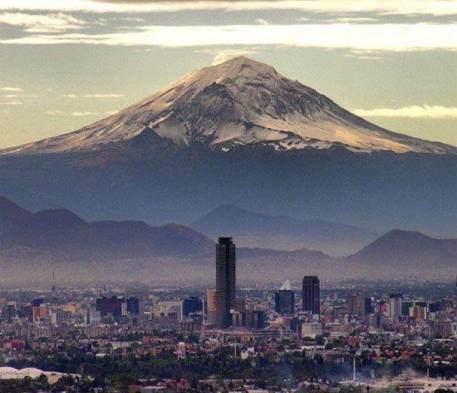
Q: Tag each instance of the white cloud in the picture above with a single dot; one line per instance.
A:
(414, 111)
(368, 57)
(364, 54)
(79, 113)
(408, 7)
(354, 19)
(12, 103)
(364, 37)
(226, 54)
(20, 95)
(103, 95)
(55, 113)
(261, 21)
(88, 113)
(84, 113)
(8, 88)
(38, 23)
(97, 95)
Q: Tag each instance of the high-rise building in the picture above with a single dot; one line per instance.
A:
(171, 309)
(255, 319)
(311, 295)
(192, 304)
(39, 313)
(368, 305)
(285, 300)
(225, 281)
(358, 305)
(375, 321)
(113, 306)
(10, 311)
(394, 306)
(93, 317)
(405, 307)
(133, 305)
(210, 306)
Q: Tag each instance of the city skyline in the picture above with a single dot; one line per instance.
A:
(341, 327)
(228, 196)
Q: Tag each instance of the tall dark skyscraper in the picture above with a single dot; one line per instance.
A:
(311, 295)
(285, 300)
(225, 281)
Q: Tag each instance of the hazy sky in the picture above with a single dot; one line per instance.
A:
(67, 63)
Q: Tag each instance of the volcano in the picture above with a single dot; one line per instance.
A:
(239, 102)
(239, 133)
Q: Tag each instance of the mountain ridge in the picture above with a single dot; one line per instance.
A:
(283, 232)
(63, 232)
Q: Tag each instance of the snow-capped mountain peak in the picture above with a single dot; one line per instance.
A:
(238, 102)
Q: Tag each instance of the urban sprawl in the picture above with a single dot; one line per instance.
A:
(354, 337)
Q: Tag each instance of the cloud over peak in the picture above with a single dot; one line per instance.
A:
(413, 111)
(365, 37)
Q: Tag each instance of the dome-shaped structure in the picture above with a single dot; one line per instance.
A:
(31, 372)
(9, 373)
(8, 370)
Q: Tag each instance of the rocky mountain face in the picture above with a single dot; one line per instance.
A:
(239, 102)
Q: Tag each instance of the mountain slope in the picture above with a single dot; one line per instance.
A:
(282, 232)
(11, 214)
(160, 183)
(239, 102)
(399, 248)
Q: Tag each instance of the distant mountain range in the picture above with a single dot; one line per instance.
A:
(239, 133)
(62, 233)
(253, 229)
(34, 244)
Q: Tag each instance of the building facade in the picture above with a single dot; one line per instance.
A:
(225, 281)
(285, 302)
(311, 295)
